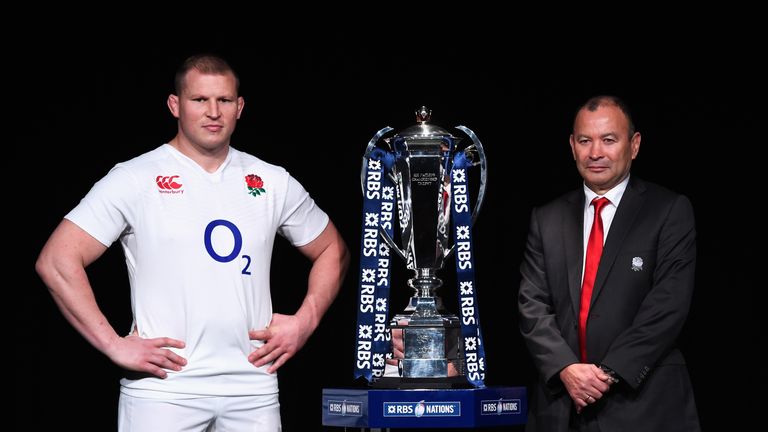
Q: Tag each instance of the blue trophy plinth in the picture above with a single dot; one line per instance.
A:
(427, 408)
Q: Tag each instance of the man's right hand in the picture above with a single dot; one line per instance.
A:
(147, 355)
(585, 383)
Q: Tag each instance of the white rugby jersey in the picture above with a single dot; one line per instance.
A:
(198, 247)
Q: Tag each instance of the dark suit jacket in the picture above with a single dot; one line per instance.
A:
(640, 301)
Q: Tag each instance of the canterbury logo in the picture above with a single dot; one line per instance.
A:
(168, 182)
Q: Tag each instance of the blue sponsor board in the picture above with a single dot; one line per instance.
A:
(449, 408)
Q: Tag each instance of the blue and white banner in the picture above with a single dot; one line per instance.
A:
(474, 353)
(373, 336)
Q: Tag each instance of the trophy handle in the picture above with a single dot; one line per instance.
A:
(368, 150)
(476, 147)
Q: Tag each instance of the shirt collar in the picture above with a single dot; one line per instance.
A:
(614, 195)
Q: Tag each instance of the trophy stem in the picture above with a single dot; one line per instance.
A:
(425, 307)
(425, 283)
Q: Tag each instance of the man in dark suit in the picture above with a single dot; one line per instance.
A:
(603, 298)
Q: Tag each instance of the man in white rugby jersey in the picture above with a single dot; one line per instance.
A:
(197, 221)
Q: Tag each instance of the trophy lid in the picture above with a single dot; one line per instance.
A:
(423, 129)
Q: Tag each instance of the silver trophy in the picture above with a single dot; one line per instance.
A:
(433, 354)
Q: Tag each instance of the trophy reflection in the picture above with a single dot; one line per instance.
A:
(428, 171)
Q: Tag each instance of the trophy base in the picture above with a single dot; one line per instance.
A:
(457, 382)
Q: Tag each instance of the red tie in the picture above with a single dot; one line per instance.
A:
(594, 250)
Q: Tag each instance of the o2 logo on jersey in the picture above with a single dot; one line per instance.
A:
(238, 246)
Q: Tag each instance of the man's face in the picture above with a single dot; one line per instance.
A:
(207, 108)
(602, 147)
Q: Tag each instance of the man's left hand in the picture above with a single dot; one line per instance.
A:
(283, 338)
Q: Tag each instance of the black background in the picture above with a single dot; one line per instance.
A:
(312, 105)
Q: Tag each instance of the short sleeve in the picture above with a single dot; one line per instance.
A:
(106, 210)
(301, 220)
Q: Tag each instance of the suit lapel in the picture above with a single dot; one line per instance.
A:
(573, 239)
(629, 207)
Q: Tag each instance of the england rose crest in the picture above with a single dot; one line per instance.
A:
(255, 184)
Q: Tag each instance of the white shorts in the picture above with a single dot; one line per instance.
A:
(225, 413)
